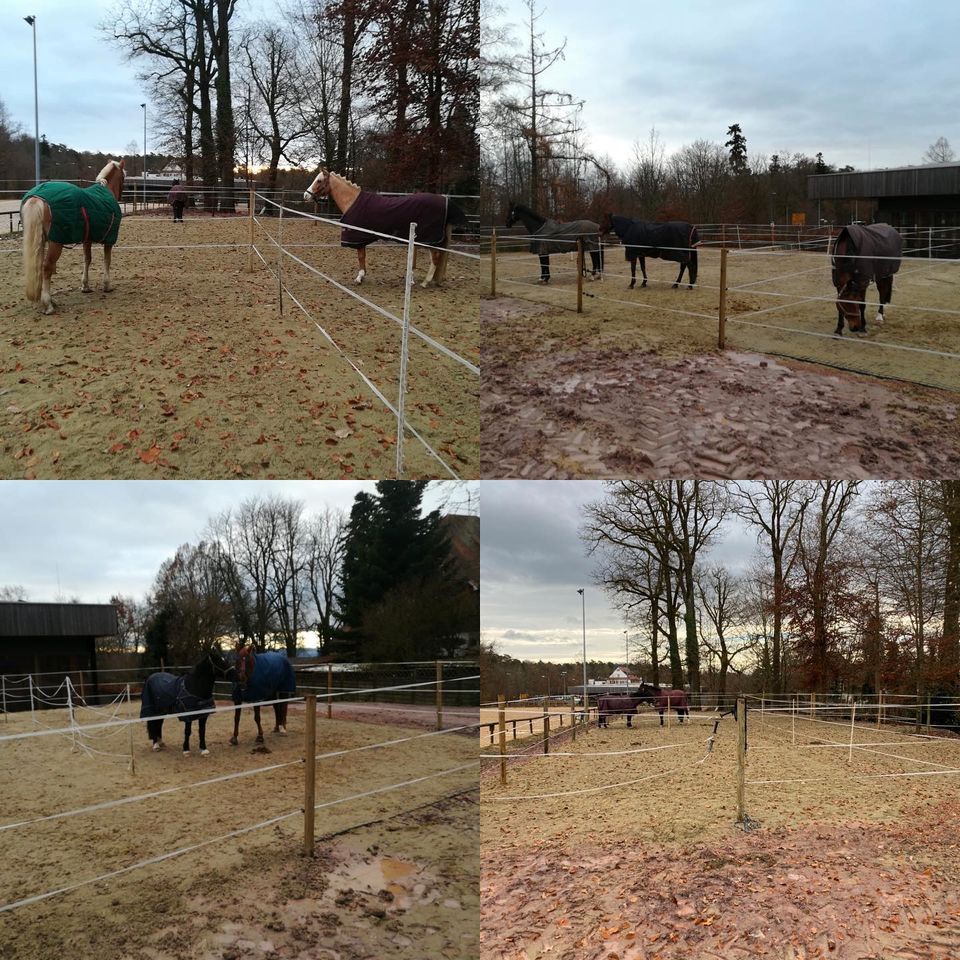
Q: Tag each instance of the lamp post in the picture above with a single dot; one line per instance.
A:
(36, 103)
(546, 676)
(583, 612)
(626, 654)
(563, 680)
(144, 155)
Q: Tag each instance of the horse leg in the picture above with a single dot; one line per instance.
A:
(643, 270)
(256, 716)
(186, 737)
(630, 720)
(544, 269)
(692, 270)
(202, 730)
(660, 711)
(840, 318)
(235, 739)
(676, 282)
(431, 277)
(443, 257)
(633, 273)
(107, 285)
(361, 264)
(50, 258)
(85, 278)
(281, 716)
(155, 733)
(885, 292)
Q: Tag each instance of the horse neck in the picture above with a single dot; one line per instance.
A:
(532, 221)
(108, 183)
(199, 681)
(343, 192)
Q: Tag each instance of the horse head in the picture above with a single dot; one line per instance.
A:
(245, 663)
(320, 188)
(606, 223)
(851, 287)
(219, 662)
(112, 176)
(513, 214)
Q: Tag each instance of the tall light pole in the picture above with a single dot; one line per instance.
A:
(36, 103)
(626, 654)
(583, 609)
(144, 154)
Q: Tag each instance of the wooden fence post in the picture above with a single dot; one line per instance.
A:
(493, 263)
(579, 274)
(741, 757)
(439, 694)
(329, 691)
(928, 715)
(310, 773)
(722, 338)
(813, 704)
(880, 710)
(503, 741)
(546, 733)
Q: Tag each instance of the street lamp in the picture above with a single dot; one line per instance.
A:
(626, 654)
(36, 103)
(563, 679)
(144, 154)
(583, 611)
(546, 676)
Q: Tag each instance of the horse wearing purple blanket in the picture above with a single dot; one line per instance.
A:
(614, 705)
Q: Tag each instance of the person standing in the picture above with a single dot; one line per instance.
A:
(177, 198)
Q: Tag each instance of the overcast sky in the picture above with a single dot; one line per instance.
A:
(532, 562)
(98, 538)
(871, 83)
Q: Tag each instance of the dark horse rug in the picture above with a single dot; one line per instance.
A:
(272, 676)
(80, 215)
(164, 693)
(393, 215)
(878, 245)
(554, 237)
(673, 240)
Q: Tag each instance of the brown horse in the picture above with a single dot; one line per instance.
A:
(626, 704)
(858, 255)
(55, 215)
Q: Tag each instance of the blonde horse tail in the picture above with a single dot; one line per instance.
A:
(441, 272)
(33, 247)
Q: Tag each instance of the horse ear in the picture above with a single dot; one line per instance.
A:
(122, 163)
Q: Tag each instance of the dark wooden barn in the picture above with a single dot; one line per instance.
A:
(51, 639)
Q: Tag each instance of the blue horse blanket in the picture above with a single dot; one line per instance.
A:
(165, 693)
(272, 677)
(394, 215)
(672, 240)
(79, 215)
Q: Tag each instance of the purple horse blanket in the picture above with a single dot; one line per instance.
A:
(272, 678)
(878, 244)
(394, 215)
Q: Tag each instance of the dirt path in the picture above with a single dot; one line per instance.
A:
(555, 408)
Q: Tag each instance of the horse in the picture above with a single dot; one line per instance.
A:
(549, 236)
(165, 693)
(674, 240)
(55, 215)
(262, 676)
(617, 704)
(858, 255)
(434, 215)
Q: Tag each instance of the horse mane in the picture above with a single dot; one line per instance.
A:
(331, 173)
(104, 174)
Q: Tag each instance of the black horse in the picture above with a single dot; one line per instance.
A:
(165, 693)
(858, 255)
(674, 240)
(549, 236)
(627, 703)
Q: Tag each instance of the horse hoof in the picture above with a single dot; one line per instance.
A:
(156, 747)
(86, 289)
(108, 288)
(186, 753)
(234, 741)
(281, 731)
(204, 753)
(259, 740)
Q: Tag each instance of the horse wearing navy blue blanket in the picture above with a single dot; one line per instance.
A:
(674, 240)
(165, 693)
(262, 676)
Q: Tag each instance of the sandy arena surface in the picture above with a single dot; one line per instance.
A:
(187, 369)
(851, 864)
(636, 386)
(395, 874)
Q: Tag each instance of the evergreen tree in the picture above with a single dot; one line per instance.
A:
(820, 167)
(738, 149)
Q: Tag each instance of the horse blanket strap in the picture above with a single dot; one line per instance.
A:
(394, 215)
(272, 676)
(164, 693)
(562, 237)
(80, 215)
(874, 240)
(672, 240)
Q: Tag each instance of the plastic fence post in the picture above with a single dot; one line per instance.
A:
(251, 201)
(404, 349)
(503, 740)
(853, 719)
(280, 260)
(579, 274)
(722, 312)
(741, 756)
(493, 263)
(439, 694)
(329, 691)
(310, 774)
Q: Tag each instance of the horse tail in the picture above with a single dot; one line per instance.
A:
(147, 705)
(34, 243)
(456, 215)
(694, 241)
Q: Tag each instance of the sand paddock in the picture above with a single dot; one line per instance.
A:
(394, 874)
(188, 369)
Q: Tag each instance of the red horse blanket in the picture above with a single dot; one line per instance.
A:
(394, 215)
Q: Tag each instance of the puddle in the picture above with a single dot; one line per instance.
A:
(383, 873)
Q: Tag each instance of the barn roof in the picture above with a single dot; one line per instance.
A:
(929, 179)
(57, 620)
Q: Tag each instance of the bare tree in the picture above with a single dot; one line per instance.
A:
(939, 151)
(722, 601)
(325, 542)
(14, 592)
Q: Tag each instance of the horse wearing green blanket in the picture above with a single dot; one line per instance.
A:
(56, 215)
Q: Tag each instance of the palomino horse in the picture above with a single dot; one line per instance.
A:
(434, 215)
(549, 236)
(858, 255)
(55, 215)
(674, 240)
(165, 693)
(262, 676)
(626, 704)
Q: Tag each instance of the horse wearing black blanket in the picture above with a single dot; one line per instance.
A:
(674, 240)
(165, 693)
(549, 236)
(858, 255)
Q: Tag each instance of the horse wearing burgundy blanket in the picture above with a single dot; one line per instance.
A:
(627, 704)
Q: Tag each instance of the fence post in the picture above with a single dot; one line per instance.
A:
(404, 348)
(133, 762)
(573, 718)
(439, 694)
(3, 685)
(880, 710)
(310, 773)
(929, 243)
(579, 274)
(493, 263)
(329, 691)
(503, 740)
(251, 200)
(722, 315)
(853, 718)
(813, 704)
(793, 721)
(73, 732)
(280, 259)
(928, 715)
(546, 732)
(741, 756)
(33, 719)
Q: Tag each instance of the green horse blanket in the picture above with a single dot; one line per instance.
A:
(80, 215)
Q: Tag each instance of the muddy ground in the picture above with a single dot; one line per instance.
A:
(395, 874)
(188, 369)
(850, 864)
(568, 396)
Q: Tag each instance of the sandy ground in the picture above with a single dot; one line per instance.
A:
(840, 866)
(395, 874)
(188, 369)
(568, 396)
